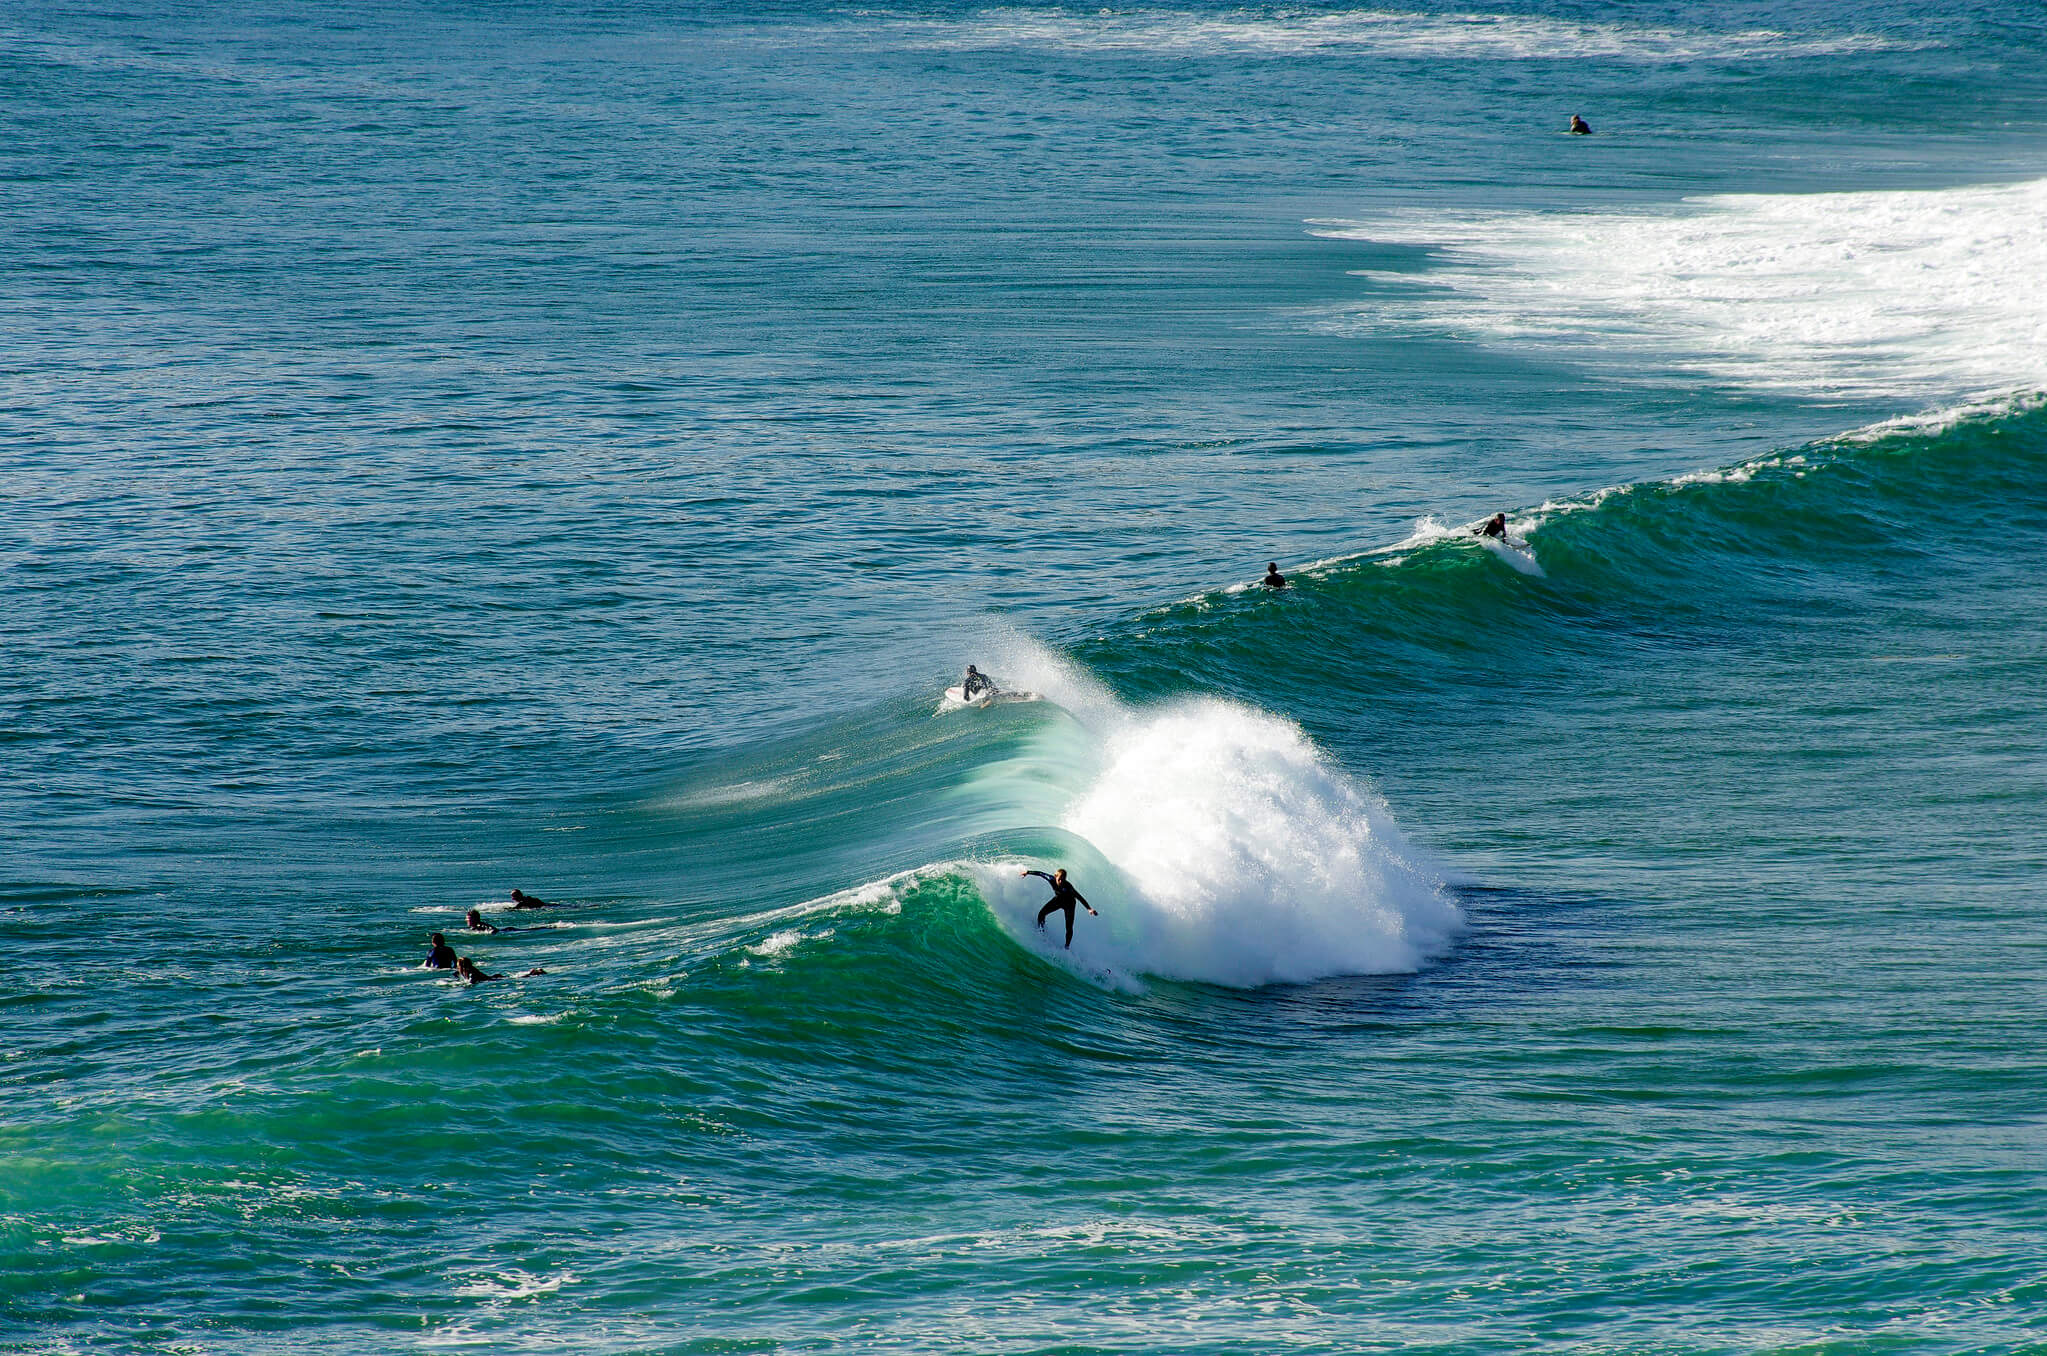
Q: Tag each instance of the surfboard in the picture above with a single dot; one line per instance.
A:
(1514, 551)
(955, 699)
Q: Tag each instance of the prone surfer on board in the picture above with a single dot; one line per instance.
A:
(1064, 897)
(468, 969)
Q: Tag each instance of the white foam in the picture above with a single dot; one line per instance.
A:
(1282, 32)
(1231, 852)
(1515, 552)
(1020, 663)
(787, 940)
(515, 1283)
(1935, 295)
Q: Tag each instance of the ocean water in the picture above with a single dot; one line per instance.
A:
(453, 448)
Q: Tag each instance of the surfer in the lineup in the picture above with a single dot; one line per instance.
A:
(442, 957)
(1495, 526)
(475, 922)
(976, 684)
(1064, 897)
(468, 969)
(1580, 127)
(1273, 578)
(522, 900)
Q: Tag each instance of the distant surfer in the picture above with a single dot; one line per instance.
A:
(522, 900)
(1064, 897)
(1495, 527)
(976, 684)
(475, 923)
(1273, 578)
(1580, 127)
(442, 957)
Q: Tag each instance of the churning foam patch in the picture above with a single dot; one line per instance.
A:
(1282, 32)
(1021, 664)
(1232, 852)
(1936, 294)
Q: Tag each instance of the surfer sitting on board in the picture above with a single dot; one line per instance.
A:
(976, 684)
(1495, 526)
(1273, 578)
(1064, 896)
(442, 957)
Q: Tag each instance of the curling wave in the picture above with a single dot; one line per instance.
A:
(1222, 846)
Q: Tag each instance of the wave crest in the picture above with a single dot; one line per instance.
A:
(1222, 847)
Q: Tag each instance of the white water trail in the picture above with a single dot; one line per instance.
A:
(1939, 294)
(1470, 36)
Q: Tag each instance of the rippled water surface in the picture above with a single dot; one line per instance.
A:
(449, 449)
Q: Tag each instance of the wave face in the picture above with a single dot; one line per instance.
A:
(1928, 294)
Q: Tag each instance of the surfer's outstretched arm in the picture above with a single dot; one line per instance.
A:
(1084, 904)
(1041, 875)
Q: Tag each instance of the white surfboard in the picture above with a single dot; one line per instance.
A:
(955, 699)
(1515, 552)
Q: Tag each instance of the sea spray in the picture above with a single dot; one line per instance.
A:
(1228, 850)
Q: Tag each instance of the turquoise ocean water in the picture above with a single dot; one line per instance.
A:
(448, 448)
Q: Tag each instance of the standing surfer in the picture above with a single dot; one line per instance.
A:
(1064, 897)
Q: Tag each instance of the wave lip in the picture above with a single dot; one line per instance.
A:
(1222, 847)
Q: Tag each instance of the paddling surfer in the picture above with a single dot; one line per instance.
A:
(1064, 897)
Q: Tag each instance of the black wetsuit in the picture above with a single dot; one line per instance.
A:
(974, 684)
(441, 957)
(1065, 897)
(1494, 528)
(1274, 580)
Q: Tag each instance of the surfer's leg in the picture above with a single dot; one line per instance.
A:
(1046, 912)
(1069, 927)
